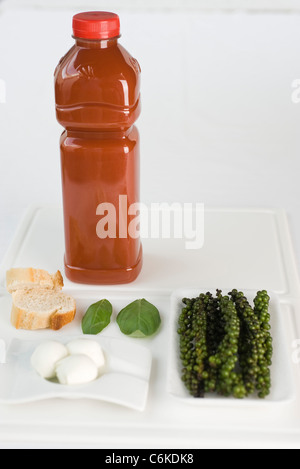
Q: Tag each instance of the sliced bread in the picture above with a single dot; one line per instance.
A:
(28, 278)
(41, 308)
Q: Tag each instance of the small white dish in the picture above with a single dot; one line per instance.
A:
(283, 385)
(125, 380)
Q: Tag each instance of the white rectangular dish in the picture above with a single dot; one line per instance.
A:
(125, 381)
(246, 249)
(283, 384)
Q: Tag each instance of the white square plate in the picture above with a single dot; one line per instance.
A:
(283, 386)
(125, 381)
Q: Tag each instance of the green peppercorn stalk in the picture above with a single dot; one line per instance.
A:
(186, 346)
(229, 381)
(248, 345)
(193, 350)
(255, 342)
(261, 309)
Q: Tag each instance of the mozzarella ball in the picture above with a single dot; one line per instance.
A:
(46, 356)
(76, 369)
(88, 347)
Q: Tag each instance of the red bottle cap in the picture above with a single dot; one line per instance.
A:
(96, 25)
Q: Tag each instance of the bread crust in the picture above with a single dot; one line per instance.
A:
(59, 320)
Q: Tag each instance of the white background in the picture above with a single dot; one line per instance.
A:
(218, 124)
(258, 5)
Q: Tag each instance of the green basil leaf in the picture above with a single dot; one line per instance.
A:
(97, 317)
(139, 319)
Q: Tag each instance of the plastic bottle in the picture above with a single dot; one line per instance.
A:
(97, 95)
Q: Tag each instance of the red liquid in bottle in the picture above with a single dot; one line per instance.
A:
(97, 94)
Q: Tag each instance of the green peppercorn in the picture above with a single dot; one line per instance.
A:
(225, 344)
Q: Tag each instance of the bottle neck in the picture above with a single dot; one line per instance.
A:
(96, 43)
